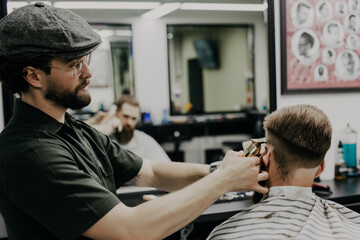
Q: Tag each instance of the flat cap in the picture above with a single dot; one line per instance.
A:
(40, 29)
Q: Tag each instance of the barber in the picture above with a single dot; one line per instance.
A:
(58, 175)
(120, 125)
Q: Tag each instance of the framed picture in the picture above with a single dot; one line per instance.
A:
(320, 42)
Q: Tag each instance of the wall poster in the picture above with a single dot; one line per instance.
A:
(320, 45)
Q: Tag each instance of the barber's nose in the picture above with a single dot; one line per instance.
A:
(85, 71)
(125, 121)
(128, 121)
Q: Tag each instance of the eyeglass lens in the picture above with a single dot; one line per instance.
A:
(79, 65)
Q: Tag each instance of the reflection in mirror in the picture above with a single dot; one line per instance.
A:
(211, 68)
(111, 66)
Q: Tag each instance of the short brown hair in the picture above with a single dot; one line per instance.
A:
(130, 99)
(300, 135)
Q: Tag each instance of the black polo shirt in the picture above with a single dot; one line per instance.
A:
(57, 180)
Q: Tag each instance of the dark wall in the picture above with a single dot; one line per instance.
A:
(8, 98)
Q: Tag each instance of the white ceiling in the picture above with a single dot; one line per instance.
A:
(126, 16)
(168, 1)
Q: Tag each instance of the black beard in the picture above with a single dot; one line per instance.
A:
(125, 135)
(67, 98)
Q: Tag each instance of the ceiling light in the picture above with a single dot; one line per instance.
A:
(224, 7)
(106, 5)
(164, 9)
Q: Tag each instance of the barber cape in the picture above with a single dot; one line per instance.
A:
(290, 212)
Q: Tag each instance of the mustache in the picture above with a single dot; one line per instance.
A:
(82, 85)
(128, 127)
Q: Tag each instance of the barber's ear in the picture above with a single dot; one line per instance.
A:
(30, 75)
(320, 169)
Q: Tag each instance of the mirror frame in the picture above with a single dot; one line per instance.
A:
(272, 55)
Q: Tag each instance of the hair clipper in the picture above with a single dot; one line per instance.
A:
(253, 148)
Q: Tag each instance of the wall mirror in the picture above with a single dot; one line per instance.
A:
(210, 68)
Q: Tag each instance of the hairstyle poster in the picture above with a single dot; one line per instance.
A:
(322, 45)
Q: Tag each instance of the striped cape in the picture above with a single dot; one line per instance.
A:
(291, 212)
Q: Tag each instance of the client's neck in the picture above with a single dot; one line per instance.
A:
(301, 177)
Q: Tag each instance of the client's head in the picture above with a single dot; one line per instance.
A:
(128, 111)
(298, 138)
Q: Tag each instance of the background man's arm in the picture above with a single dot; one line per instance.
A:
(105, 122)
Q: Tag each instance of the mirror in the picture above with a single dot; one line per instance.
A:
(111, 65)
(211, 68)
(151, 62)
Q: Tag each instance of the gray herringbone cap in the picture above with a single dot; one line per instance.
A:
(39, 29)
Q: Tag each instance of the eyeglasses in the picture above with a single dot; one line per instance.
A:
(77, 66)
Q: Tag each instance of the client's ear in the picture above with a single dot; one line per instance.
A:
(266, 156)
(320, 169)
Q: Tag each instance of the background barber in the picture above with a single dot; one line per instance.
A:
(120, 126)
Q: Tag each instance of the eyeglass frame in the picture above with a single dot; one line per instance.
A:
(81, 61)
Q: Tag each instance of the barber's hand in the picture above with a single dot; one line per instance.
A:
(106, 122)
(96, 119)
(242, 173)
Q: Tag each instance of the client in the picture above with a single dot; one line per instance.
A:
(298, 138)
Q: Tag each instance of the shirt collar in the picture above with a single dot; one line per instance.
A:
(36, 117)
(290, 192)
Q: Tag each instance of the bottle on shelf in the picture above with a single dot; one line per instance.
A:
(349, 146)
(164, 119)
(340, 165)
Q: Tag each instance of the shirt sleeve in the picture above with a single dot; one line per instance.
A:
(47, 185)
